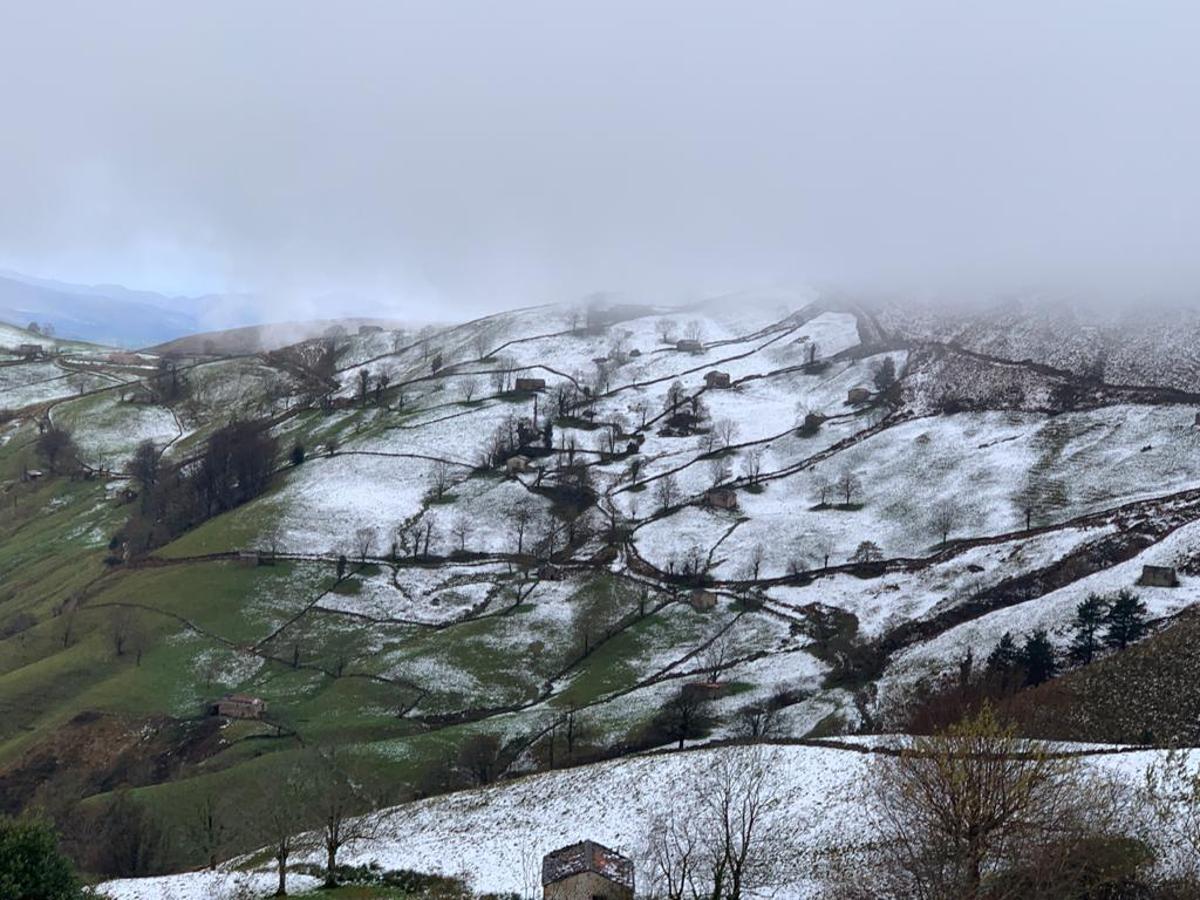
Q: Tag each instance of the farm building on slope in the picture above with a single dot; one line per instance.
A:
(587, 871)
(1159, 576)
(721, 498)
(239, 706)
(717, 379)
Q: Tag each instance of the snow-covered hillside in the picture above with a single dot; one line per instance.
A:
(495, 837)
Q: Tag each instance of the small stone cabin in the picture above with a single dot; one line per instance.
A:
(515, 464)
(858, 395)
(717, 379)
(721, 498)
(31, 351)
(702, 600)
(240, 706)
(586, 871)
(249, 558)
(1159, 576)
(689, 346)
(530, 384)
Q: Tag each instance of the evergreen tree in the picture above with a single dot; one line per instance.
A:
(1126, 620)
(885, 375)
(31, 866)
(1004, 656)
(1089, 619)
(1004, 663)
(1038, 657)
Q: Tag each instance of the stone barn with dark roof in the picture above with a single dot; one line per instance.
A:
(587, 871)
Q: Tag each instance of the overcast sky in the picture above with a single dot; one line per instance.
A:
(488, 154)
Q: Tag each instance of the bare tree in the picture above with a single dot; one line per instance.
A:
(694, 330)
(943, 520)
(439, 475)
(666, 330)
(522, 515)
(726, 431)
(341, 804)
(272, 816)
(823, 544)
(753, 564)
(641, 411)
(958, 811)
(120, 629)
(208, 828)
(752, 464)
(666, 491)
(364, 542)
(718, 470)
(728, 837)
(466, 389)
(479, 758)
(461, 529)
(757, 721)
(848, 484)
(717, 656)
(676, 395)
(1173, 795)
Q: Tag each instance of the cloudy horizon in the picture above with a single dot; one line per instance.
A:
(473, 156)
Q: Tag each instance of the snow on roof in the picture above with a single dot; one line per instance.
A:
(587, 856)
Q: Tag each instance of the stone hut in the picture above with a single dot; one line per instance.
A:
(721, 498)
(31, 351)
(858, 395)
(249, 558)
(240, 706)
(687, 345)
(716, 379)
(587, 871)
(530, 384)
(1159, 576)
(702, 600)
(515, 464)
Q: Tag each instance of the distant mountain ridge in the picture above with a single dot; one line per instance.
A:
(111, 314)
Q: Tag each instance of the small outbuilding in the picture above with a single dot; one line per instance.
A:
(31, 351)
(858, 395)
(687, 345)
(721, 498)
(1159, 576)
(370, 329)
(249, 558)
(587, 871)
(716, 379)
(530, 384)
(702, 600)
(240, 706)
(515, 464)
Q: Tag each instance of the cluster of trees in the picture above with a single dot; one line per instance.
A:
(56, 448)
(234, 466)
(372, 388)
(1099, 623)
(972, 812)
